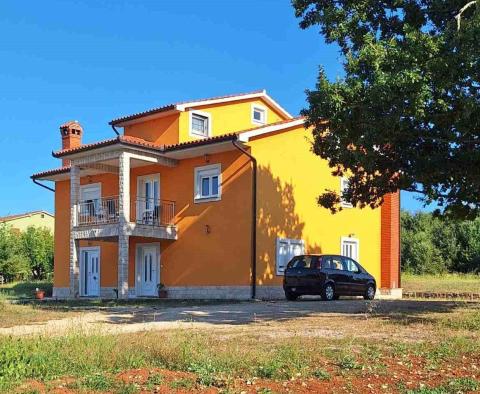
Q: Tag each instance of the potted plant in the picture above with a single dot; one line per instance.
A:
(39, 294)
(162, 292)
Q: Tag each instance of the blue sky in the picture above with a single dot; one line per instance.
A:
(93, 61)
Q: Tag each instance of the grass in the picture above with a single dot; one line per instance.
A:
(24, 290)
(461, 283)
(92, 360)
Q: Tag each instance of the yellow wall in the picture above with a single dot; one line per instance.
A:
(226, 118)
(35, 220)
(290, 178)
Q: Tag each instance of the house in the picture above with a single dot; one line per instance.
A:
(209, 197)
(22, 221)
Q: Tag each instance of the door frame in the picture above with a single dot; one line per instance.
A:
(352, 240)
(82, 269)
(140, 178)
(138, 282)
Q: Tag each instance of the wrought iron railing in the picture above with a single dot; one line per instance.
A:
(154, 212)
(99, 211)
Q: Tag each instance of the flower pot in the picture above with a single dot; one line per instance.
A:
(39, 294)
(162, 294)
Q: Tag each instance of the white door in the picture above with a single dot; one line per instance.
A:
(148, 199)
(148, 270)
(90, 272)
(350, 248)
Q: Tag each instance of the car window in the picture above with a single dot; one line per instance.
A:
(300, 262)
(336, 263)
(350, 265)
(326, 262)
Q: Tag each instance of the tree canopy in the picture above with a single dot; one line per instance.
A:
(406, 114)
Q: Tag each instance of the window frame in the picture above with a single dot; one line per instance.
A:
(212, 170)
(194, 133)
(289, 241)
(350, 240)
(258, 107)
(343, 203)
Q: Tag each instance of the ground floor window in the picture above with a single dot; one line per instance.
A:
(350, 248)
(286, 250)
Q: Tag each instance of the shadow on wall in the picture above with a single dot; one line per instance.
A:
(277, 218)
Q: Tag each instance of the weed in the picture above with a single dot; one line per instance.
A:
(349, 362)
(98, 382)
(183, 383)
(321, 374)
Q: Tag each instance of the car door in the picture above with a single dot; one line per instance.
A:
(294, 274)
(339, 275)
(313, 275)
(356, 278)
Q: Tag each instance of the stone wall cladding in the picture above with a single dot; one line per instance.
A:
(209, 292)
(74, 196)
(61, 293)
(123, 225)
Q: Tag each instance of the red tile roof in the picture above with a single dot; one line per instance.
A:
(169, 107)
(271, 124)
(55, 171)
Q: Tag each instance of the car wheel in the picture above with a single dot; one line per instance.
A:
(328, 292)
(369, 293)
(290, 296)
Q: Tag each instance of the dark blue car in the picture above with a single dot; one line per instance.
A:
(329, 276)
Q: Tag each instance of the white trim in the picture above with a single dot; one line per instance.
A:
(138, 283)
(344, 203)
(350, 240)
(288, 241)
(185, 106)
(207, 115)
(82, 268)
(263, 94)
(246, 135)
(261, 108)
(197, 196)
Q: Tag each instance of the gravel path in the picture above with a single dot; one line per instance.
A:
(306, 317)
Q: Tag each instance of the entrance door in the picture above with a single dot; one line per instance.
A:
(148, 274)
(350, 248)
(90, 272)
(148, 199)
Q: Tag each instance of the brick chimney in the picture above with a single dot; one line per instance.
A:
(390, 241)
(71, 137)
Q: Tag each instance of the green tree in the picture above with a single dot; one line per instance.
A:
(406, 114)
(37, 247)
(12, 264)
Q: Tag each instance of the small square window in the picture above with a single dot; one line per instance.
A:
(259, 114)
(200, 124)
(208, 183)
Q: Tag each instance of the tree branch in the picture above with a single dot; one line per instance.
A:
(458, 17)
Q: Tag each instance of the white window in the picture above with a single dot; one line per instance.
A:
(343, 187)
(350, 248)
(208, 183)
(259, 114)
(286, 250)
(200, 124)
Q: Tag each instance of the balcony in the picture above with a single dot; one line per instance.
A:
(100, 218)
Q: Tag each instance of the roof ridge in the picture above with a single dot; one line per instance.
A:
(20, 215)
(171, 106)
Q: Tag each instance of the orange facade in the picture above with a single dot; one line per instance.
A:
(212, 248)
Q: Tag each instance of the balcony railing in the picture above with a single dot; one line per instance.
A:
(99, 211)
(146, 211)
(154, 212)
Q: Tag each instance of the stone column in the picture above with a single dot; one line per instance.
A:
(74, 248)
(124, 220)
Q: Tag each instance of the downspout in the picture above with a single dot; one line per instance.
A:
(42, 185)
(115, 130)
(254, 216)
